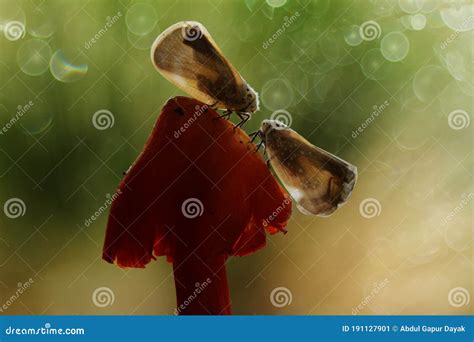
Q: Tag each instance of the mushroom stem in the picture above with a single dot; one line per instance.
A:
(201, 285)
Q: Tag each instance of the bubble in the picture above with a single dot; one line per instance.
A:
(352, 36)
(418, 22)
(141, 18)
(395, 46)
(277, 94)
(40, 25)
(33, 57)
(429, 82)
(410, 6)
(459, 17)
(65, 71)
(276, 3)
(374, 66)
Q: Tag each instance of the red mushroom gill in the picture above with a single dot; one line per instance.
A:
(197, 194)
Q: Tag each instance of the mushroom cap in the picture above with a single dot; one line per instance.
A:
(198, 185)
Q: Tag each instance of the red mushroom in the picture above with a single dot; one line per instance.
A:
(197, 194)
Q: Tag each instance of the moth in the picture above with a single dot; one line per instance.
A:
(187, 56)
(318, 181)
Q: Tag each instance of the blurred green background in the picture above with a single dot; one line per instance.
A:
(385, 85)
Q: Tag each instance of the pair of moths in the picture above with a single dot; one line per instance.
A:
(187, 56)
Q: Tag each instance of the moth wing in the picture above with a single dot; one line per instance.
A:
(318, 181)
(187, 56)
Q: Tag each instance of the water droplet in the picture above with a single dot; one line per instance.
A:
(374, 66)
(33, 57)
(352, 36)
(63, 70)
(141, 18)
(395, 46)
(277, 94)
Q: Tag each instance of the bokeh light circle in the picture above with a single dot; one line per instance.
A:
(374, 66)
(418, 22)
(33, 57)
(40, 24)
(352, 36)
(64, 70)
(36, 119)
(459, 17)
(429, 82)
(141, 18)
(276, 3)
(410, 6)
(277, 94)
(395, 46)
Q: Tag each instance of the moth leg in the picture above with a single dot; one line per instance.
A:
(260, 145)
(226, 115)
(244, 117)
(254, 135)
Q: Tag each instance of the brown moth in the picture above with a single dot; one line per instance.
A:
(318, 181)
(187, 56)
